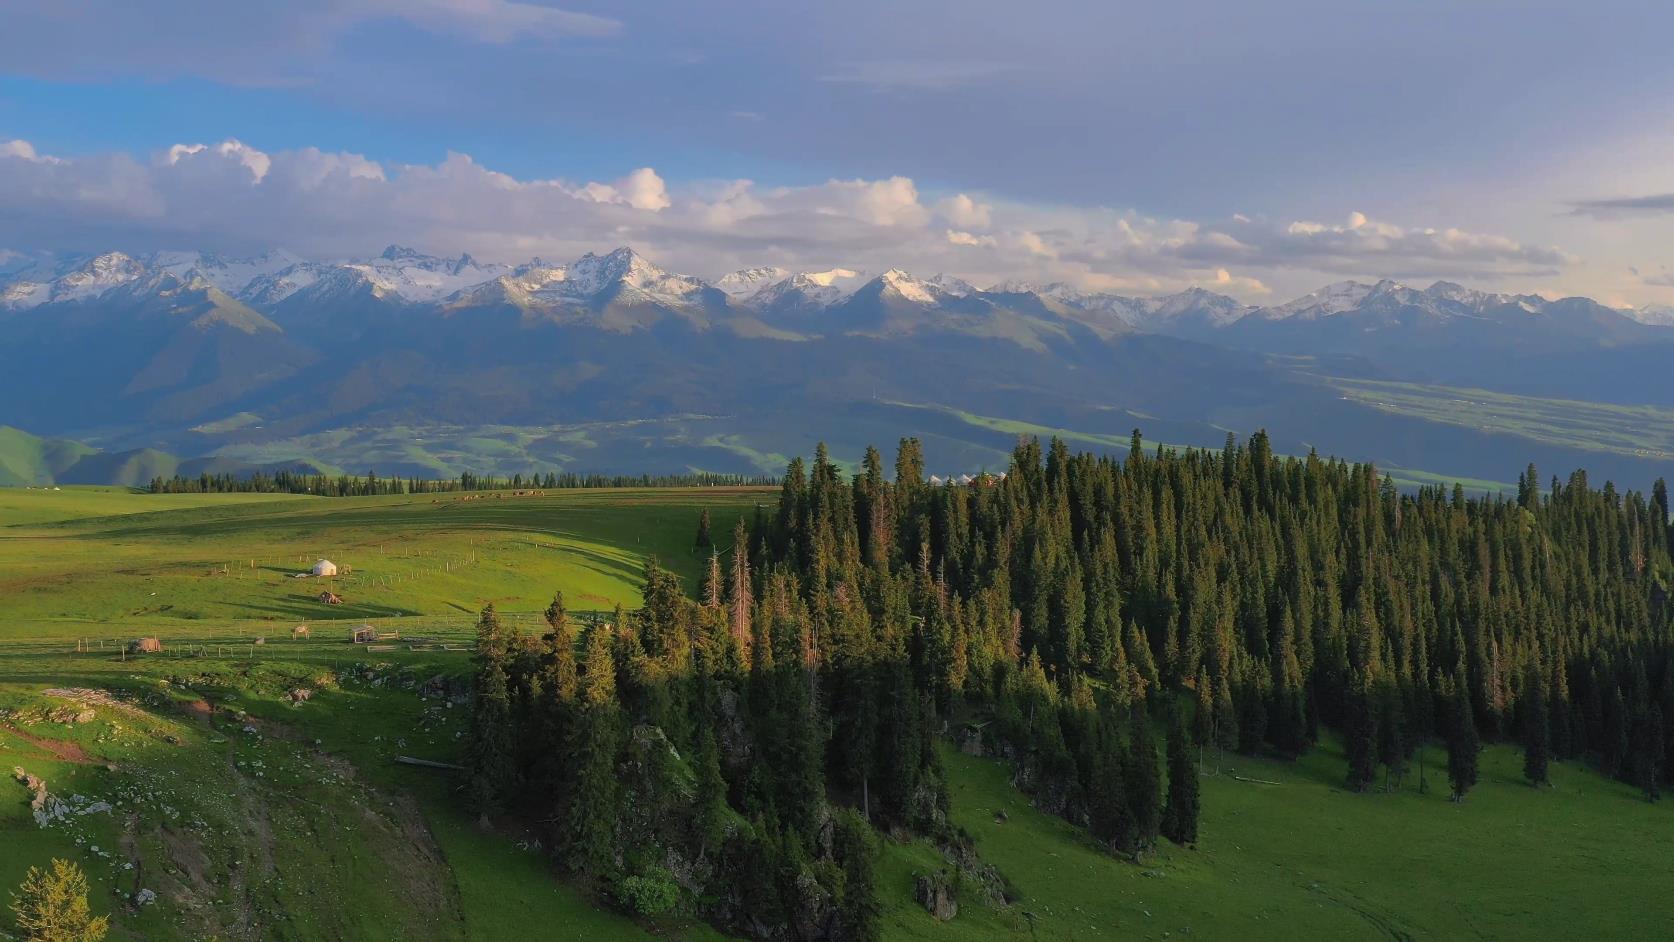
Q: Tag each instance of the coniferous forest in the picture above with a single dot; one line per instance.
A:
(1108, 626)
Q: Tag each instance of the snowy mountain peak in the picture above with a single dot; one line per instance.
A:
(957, 287)
(1652, 315)
(746, 282)
(1332, 299)
(908, 287)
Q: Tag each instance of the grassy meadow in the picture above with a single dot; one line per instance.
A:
(253, 816)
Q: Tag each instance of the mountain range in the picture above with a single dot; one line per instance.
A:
(609, 362)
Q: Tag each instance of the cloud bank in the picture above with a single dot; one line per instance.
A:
(232, 197)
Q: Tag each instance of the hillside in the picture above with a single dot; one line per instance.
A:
(226, 825)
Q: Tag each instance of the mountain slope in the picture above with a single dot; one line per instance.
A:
(623, 362)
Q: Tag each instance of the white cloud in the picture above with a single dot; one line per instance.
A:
(956, 237)
(232, 197)
(642, 189)
(252, 159)
(964, 212)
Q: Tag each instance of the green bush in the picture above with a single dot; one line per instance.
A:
(653, 894)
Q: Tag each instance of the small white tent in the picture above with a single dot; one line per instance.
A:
(325, 567)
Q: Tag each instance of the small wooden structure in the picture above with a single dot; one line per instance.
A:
(366, 634)
(331, 598)
(152, 645)
(300, 631)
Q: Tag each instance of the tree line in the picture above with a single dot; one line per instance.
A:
(1102, 623)
(302, 482)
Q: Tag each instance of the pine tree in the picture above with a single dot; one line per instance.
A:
(703, 541)
(1537, 729)
(740, 600)
(590, 823)
(1462, 744)
(1648, 754)
(1179, 820)
(493, 738)
(51, 906)
(1142, 780)
(855, 849)
(1360, 735)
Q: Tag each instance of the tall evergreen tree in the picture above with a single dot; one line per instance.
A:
(491, 759)
(1179, 820)
(1462, 742)
(591, 820)
(1537, 729)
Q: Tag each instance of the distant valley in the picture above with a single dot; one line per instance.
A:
(411, 364)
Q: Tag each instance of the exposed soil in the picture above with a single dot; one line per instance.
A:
(62, 750)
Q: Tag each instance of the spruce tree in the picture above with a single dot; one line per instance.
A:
(855, 849)
(1462, 743)
(1648, 754)
(1142, 779)
(492, 742)
(1537, 729)
(590, 823)
(1179, 820)
(51, 906)
(1360, 735)
(704, 540)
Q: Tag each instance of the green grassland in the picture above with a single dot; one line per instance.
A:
(1637, 431)
(80, 558)
(254, 817)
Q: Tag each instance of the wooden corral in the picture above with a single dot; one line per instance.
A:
(151, 645)
(300, 631)
(331, 598)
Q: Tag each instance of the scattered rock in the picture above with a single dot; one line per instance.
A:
(1000, 817)
(145, 897)
(935, 892)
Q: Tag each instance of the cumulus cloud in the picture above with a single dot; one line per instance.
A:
(967, 213)
(232, 197)
(957, 237)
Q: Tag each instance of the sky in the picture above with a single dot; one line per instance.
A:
(1260, 150)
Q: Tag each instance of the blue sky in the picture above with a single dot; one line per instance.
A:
(1140, 146)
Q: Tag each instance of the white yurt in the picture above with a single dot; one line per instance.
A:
(325, 567)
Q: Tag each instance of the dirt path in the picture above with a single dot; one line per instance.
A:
(62, 750)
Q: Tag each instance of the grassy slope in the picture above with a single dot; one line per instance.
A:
(1301, 859)
(83, 562)
(1637, 431)
(1304, 859)
(29, 459)
(411, 556)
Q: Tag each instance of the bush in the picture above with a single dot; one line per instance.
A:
(650, 895)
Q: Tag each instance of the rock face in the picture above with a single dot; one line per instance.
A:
(935, 892)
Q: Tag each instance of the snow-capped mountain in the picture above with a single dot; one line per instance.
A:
(1332, 299)
(746, 282)
(1652, 315)
(1338, 317)
(619, 277)
(804, 292)
(89, 280)
(228, 274)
